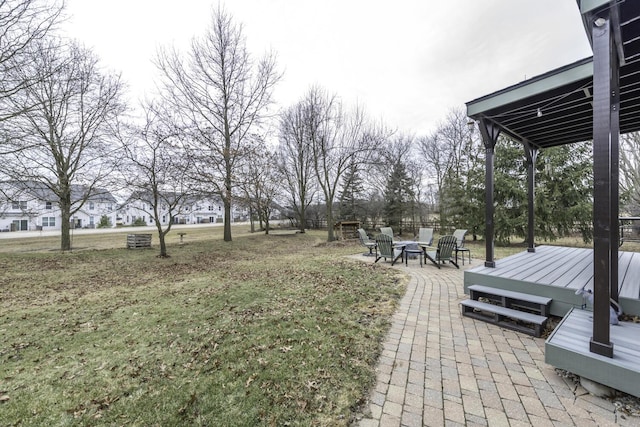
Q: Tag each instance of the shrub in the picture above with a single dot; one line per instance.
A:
(139, 222)
(105, 222)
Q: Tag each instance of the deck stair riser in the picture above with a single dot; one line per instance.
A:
(507, 306)
(510, 299)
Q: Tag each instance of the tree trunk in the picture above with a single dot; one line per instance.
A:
(330, 234)
(65, 213)
(302, 219)
(163, 246)
(161, 238)
(227, 220)
(65, 235)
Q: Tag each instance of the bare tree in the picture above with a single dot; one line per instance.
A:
(438, 158)
(448, 151)
(337, 138)
(222, 95)
(22, 23)
(295, 161)
(261, 184)
(64, 135)
(157, 170)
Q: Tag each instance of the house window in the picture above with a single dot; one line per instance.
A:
(210, 207)
(91, 220)
(48, 206)
(91, 206)
(21, 204)
(48, 221)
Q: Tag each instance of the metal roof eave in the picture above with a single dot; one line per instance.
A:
(559, 77)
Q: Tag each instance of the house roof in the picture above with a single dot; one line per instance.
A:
(556, 108)
(42, 192)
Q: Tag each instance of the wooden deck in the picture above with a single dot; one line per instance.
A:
(568, 348)
(557, 272)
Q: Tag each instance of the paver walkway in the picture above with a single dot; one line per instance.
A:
(438, 368)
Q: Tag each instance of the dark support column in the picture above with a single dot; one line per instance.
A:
(603, 62)
(489, 133)
(615, 173)
(531, 153)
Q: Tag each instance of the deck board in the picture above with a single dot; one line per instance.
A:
(568, 348)
(630, 286)
(621, 335)
(543, 262)
(562, 260)
(566, 275)
(578, 276)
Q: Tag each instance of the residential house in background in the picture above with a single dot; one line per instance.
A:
(32, 206)
(203, 209)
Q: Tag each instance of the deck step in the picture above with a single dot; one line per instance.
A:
(511, 299)
(500, 315)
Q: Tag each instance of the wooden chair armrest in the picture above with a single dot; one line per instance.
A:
(427, 247)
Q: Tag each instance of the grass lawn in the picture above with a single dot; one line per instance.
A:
(264, 330)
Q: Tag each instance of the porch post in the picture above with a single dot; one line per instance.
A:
(531, 153)
(603, 235)
(615, 173)
(489, 133)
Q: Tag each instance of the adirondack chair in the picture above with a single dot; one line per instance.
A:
(444, 252)
(386, 249)
(459, 235)
(425, 237)
(367, 242)
(387, 230)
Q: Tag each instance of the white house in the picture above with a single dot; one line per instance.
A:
(32, 206)
(193, 210)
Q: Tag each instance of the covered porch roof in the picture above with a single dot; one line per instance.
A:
(556, 108)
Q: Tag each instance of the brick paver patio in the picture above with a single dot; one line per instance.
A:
(438, 368)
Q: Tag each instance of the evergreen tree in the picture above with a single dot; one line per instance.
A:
(350, 196)
(463, 190)
(564, 192)
(398, 195)
(510, 215)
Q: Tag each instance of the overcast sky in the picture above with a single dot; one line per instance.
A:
(408, 62)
